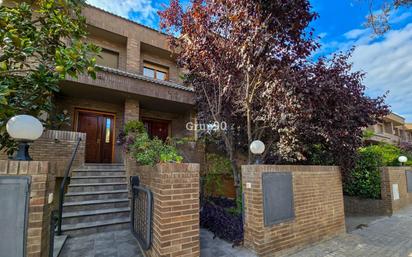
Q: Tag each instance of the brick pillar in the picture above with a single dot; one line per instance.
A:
(42, 183)
(175, 190)
(131, 110)
(389, 177)
(133, 55)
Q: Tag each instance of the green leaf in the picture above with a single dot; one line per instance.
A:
(3, 66)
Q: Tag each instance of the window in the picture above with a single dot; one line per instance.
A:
(108, 58)
(380, 129)
(108, 129)
(155, 71)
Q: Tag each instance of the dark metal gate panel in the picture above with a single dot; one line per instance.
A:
(142, 213)
(14, 199)
(409, 181)
(277, 197)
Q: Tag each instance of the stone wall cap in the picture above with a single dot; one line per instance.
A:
(173, 167)
(290, 168)
(63, 135)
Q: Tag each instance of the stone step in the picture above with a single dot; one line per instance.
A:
(80, 173)
(93, 187)
(112, 166)
(97, 195)
(95, 205)
(95, 215)
(88, 228)
(97, 179)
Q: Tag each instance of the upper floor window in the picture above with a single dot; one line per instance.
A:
(155, 71)
(108, 58)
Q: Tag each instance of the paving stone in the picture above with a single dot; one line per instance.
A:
(385, 237)
(210, 247)
(109, 244)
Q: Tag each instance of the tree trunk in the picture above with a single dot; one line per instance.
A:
(249, 131)
(235, 170)
(248, 117)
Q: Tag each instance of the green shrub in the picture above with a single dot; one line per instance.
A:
(217, 166)
(148, 151)
(389, 153)
(364, 180)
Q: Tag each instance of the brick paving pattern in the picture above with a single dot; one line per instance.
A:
(216, 247)
(386, 237)
(109, 244)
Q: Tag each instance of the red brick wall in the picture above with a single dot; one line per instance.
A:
(390, 176)
(131, 110)
(386, 205)
(42, 183)
(318, 207)
(56, 147)
(175, 190)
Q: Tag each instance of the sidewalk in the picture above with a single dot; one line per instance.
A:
(385, 237)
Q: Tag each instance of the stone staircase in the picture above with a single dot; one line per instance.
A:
(96, 200)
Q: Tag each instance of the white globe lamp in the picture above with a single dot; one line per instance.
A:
(24, 129)
(403, 160)
(257, 147)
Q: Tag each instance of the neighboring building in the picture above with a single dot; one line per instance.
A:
(393, 130)
(139, 80)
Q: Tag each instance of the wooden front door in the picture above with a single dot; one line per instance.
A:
(157, 128)
(99, 135)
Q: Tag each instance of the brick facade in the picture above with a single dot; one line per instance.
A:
(318, 208)
(175, 190)
(387, 205)
(391, 176)
(56, 147)
(42, 183)
(131, 110)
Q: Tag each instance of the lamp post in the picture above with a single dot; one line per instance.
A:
(24, 129)
(257, 147)
(403, 160)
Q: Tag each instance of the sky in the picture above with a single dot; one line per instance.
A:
(386, 60)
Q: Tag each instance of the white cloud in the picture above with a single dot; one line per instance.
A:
(388, 64)
(351, 38)
(400, 18)
(356, 33)
(322, 35)
(144, 9)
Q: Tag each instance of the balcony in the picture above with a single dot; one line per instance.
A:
(132, 83)
(386, 138)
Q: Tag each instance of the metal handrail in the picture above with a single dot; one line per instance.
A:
(145, 244)
(53, 222)
(62, 185)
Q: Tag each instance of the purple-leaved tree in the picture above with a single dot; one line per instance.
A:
(249, 63)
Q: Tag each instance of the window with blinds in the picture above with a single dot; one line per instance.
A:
(108, 58)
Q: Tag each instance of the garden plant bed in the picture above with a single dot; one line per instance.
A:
(222, 217)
